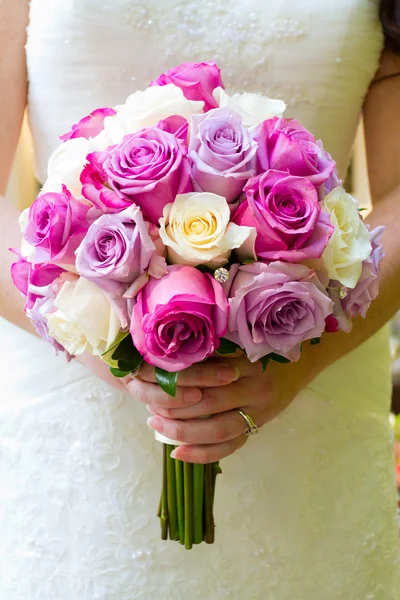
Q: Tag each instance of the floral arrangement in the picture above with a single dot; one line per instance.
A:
(188, 222)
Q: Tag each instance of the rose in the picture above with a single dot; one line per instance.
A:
(359, 299)
(350, 243)
(37, 284)
(274, 308)
(179, 319)
(83, 319)
(222, 153)
(285, 145)
(287, 216)
(56, 226)
(146, 109)
(147, 168)
(196, 80)
(120, 249)
(90, 126)
(253, 108)
(196, 229)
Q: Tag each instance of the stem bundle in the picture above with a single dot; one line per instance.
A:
(187, 500)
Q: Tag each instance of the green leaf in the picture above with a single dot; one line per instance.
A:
(167, 381)
(361, 209)
(264, 361)
(118, 373)
(278, 358)
(125, 349)
(121, 336)
(227, 347)
(315, 341)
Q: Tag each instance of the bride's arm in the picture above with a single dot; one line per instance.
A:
(13, 22)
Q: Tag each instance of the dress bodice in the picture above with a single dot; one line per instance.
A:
(317, 55)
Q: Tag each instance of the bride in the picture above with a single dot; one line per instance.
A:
(306, 509)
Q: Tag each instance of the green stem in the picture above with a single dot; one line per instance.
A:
(216, 471)
(198, 492)
(180, 499)
(171, 496)
(188, 488)
(164, 498)
(208, 505)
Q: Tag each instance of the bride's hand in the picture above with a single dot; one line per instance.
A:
(215, 389)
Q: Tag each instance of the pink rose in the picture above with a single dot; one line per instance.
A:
(38, 283)
(57, 223)
(147, 168)
(179, 319)
(196, 80)
(89, 126)
(287, 216)
(358, 300)
(222, 153)
(274, 308)
(285, 145)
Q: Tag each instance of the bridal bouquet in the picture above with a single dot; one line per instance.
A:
(189, 222)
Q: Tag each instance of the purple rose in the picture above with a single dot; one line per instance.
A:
(222, 153)
(57, 223)
(38, 284)
(179, 319)
(196, 80)
(147, 168)
(287, 216)
(89, 126)
(274, 308)
(118, 249)
(358, 300)
(285, 145)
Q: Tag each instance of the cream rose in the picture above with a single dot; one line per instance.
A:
(84, 320)
(146, 108)
(350, 243)
(196, 229)
(253, 108)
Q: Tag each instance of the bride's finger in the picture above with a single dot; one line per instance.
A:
(213, 430)
(210, 373)
(214, 401)
(204, 454)
(152, 394)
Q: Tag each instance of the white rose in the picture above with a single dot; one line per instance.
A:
(196, 229)
(84, 320)
(145, 109)
(253, 108)
(65, 166)
(350, 243)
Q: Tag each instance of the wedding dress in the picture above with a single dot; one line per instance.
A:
(307, 509)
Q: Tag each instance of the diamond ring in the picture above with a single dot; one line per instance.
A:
(251, 427)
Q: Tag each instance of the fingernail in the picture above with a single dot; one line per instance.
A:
(156, 423)
(227, 374)
(173, 454)
(151, 409)
(192, 396)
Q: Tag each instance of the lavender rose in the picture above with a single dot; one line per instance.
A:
(179, 319)
(274, 308)
(147, 168)
(222, 153)
(196, 80)
(287, 216)
(285, 145)
(358, 300)
(89, 126)
(57, 223)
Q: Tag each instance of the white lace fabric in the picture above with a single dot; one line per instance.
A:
(307, 509)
